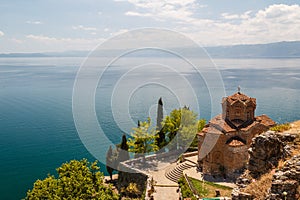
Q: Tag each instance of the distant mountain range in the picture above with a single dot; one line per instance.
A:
(271, 50)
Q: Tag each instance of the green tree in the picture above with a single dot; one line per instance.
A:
(161, 137)
(183, 121)
(76, 180)
(172, 123)
(200, 126)
(123, 151)
(142, 139)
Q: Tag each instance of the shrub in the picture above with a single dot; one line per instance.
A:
(185, 190)
(281, 127)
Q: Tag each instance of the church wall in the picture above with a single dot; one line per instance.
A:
(224, 157)
(225, 160)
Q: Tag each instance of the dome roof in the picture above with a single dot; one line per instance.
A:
(239, 97)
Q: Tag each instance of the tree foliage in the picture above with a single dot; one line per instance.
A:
(123, 152)
(142, 139)
(76, 180)
(201, 124)
(161, 137)
(183, 121)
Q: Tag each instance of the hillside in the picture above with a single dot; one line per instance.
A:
(283, 49)
(281, 181)
(271, 50)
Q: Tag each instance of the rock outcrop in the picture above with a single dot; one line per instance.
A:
(286, 181)
(238, 195)
(265, 152)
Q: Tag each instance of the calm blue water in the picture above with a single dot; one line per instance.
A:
(36, 122)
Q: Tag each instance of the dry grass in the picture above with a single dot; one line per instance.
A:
(295, 128)
(260, 187)
(296, 151)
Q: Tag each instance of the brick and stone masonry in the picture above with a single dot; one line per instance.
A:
(234, 129)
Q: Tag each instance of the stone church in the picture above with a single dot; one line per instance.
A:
(224, 141)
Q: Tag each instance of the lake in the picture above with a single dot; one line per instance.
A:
(38, 132)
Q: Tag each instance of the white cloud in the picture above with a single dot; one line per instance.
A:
(34, 22)
(274, 23)
(131, 13)
(181, 10)
(228, 16)
(1, 33)
(16, 41)
(84, 28)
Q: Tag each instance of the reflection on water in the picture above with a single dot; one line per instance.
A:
(37, 128)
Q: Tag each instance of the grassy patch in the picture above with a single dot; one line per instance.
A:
(185, 190)
(260, 187)
(208, 189)
(281, 127)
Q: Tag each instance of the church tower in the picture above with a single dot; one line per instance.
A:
(238, 110)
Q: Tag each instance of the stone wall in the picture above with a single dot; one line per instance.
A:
(128, 174)
(237, 195)
(265, 152)
(135, 171)
(231, 159)
(285, 183)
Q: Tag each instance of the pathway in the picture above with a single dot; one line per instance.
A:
(164, 188)
(166, 178)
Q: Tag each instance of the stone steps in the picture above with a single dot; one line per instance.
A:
(175, 173)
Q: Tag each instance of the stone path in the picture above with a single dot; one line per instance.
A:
(166, 178)
(175, 173)
(164, 188)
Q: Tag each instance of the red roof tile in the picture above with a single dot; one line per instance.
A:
(236, 143)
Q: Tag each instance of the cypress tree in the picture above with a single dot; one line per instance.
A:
(160, 140)
(123, 154)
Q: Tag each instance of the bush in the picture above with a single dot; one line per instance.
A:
(185, 190)
(281, 127)
(76, 180)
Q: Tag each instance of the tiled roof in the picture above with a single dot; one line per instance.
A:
(239, 97)
(236, 143)
(218, 125)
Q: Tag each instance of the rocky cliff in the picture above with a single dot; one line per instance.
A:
(273, 167)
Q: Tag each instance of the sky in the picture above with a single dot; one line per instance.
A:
(66, 25)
